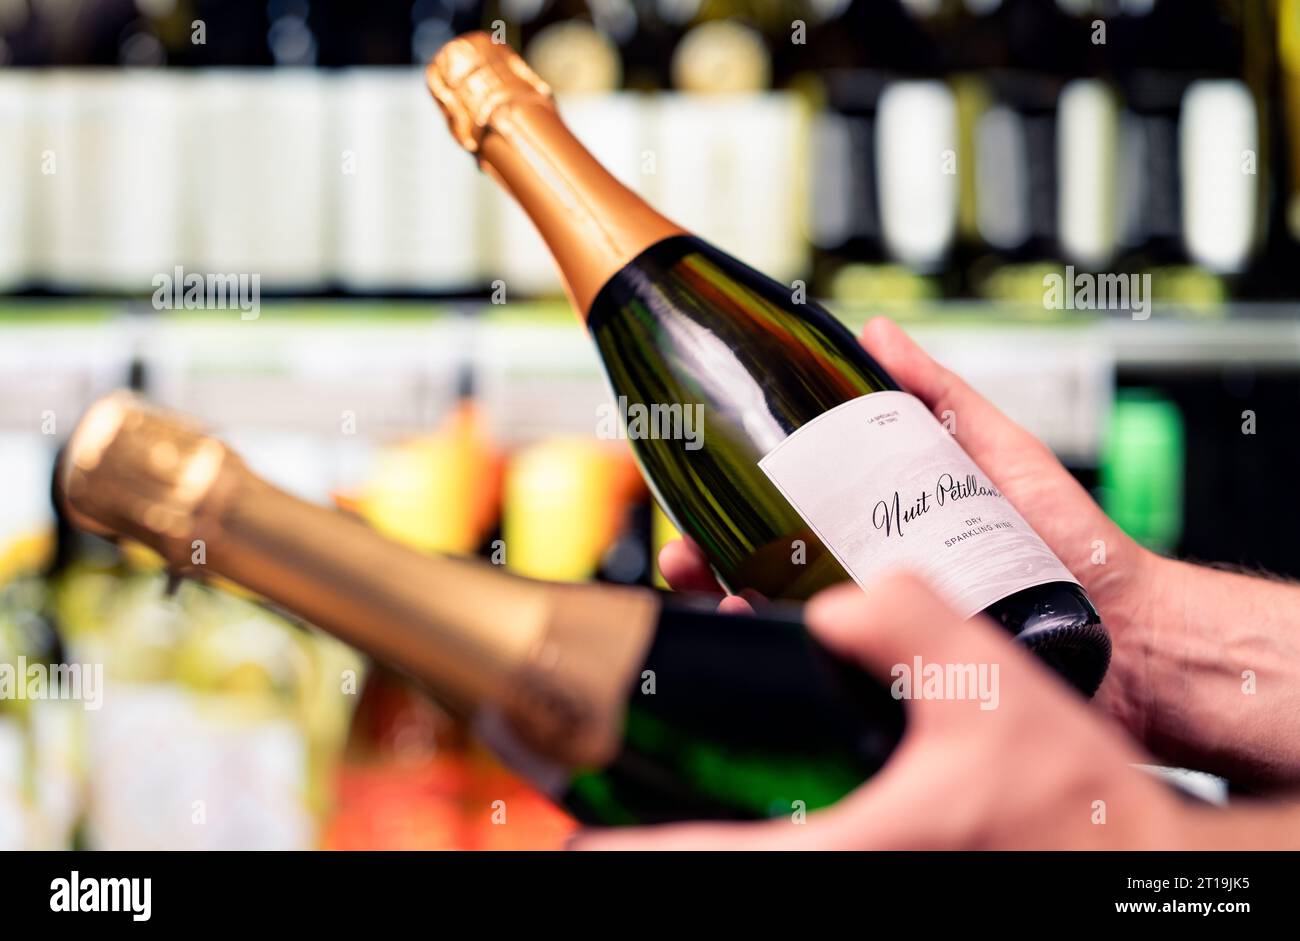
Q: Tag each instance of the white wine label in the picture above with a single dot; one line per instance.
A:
(885, 486)
(1218, 141)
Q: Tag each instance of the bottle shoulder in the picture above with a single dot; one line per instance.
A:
(686, 294)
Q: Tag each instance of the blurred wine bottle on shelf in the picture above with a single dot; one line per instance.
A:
(19, 621)
(1152, 225)
(1088, 195)
(1188, 190)
(206, 697)
(885, 185)
(1015, 59)
(724, 188)
(408, 214)
(1133, 137)
(578, 44)
(727, 153)
(1275, 41)
(1288, 53)
(581, 57)
(846, 220)
(721, 47)
(51, 578)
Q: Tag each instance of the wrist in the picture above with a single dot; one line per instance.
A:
(1119, 575)
(1134, 607)
(1203, 675)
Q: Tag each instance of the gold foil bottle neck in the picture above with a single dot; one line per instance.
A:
(556, 662)
(472, 76)
(137, 471)
(592, 223)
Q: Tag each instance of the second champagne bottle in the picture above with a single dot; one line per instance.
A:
(766, 432)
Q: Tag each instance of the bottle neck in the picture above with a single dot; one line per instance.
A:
(555, 661)
(592, 223)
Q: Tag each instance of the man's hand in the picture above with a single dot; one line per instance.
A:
(1205, 669)
(1037, 771)
(1035, 483)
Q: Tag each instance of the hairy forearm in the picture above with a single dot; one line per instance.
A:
(1210, 666)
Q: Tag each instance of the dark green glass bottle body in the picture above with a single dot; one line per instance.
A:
(690, 331)
(738, 718)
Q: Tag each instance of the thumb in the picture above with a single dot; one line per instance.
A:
(900, 623)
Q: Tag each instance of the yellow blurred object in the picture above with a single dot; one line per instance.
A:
(26, 554)
(893, 286)
(234, 647)
(140, 557)
(437, 493)
(1022, 285)
(574, 57)
(721, 57)
(1194, 290)
(564, 503)
(1288, 45)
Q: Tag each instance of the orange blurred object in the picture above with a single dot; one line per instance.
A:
(395, 807)
(506, 813)
(413, 780)
(447, 803)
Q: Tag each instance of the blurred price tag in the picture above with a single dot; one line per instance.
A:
(1057, 382)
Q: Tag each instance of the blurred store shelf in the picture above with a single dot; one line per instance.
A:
(388, 370)
(1262, 335)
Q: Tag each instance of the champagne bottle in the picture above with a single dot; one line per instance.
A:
(766, 432)
(626, 704)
